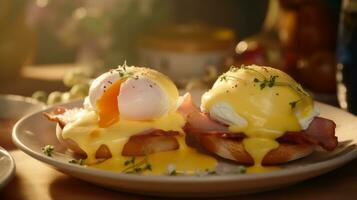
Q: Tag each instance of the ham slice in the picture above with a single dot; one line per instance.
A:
(57, 115)
(64, 116)
(198, 121)
(321, 131)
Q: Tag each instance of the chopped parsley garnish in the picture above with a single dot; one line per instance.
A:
(300, 90)
(210, 172)
(266, 82)
(272, 81)
(77, 161)
(243, 67)
(173, 173)
(233, 69)
(131, 161)
(134, 167)
(241, 169)
(293, 103)
(123, 72)
(226, 77)
(147, 167)
(171, 170)
(223, 78)
(48, 150)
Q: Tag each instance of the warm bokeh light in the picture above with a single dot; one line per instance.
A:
(41, 3)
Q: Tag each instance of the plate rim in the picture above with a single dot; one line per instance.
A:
(29, 100)
(10, 171)
(336, 161)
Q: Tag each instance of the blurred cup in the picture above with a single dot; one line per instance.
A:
(12, 108)
(16, 39)
(347, 56)
(186, 51)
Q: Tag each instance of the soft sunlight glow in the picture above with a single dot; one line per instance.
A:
(41, 3)
(80, 13)
(241, 47)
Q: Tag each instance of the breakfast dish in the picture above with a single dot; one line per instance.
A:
(32, 133)
(261, 116)
(134, 121)
(130, 122)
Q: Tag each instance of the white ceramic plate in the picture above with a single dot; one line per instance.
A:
(7, 167)
(34, 131)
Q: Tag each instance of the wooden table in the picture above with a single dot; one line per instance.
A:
(35, 180)
(32, 78)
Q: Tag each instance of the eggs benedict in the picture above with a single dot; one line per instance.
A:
(130, 112)
(258, 116)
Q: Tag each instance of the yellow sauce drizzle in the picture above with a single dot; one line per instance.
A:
(258, 148)
(186, 160)
(94, 129)
(89, 136)
(266, 110)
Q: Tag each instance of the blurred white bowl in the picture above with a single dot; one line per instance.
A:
(7, 167)
(15, 107)
(12, 108)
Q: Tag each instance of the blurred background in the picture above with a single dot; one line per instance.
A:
(52, 48)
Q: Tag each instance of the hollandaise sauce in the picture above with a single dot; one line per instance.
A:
(185, 160)
(268, 100)
(258, 148)
(87, 133)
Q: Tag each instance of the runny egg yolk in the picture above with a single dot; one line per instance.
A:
(107, 105)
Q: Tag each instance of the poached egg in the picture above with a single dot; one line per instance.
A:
(125, 102)
(262, 102)
(136, 93)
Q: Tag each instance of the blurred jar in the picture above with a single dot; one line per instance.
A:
(16, 39)
(310, 40)
(298, 37)
(263, 48)
(347, 56)
(185, 52)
